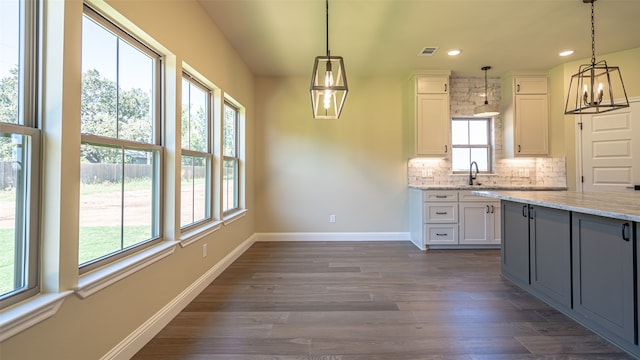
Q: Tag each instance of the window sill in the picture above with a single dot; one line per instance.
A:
(97, 280)
(233, 216)
(29, 313)
(191, 236)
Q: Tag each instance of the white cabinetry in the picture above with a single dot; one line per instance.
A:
(432, 114)
(479, 220)
(453, 219)
(526, 115)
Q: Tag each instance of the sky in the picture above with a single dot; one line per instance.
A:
(9, 15)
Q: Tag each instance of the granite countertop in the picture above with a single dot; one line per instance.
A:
(487, 187)
(617, 205)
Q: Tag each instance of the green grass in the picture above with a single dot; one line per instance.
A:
(96, 241)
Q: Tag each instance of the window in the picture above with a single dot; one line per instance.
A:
(197, 156)
(470, 141)
(231, 161)
(120, 151)
(19, 151)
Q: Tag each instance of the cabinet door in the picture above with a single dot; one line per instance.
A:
(550, 240)
(531, 125)
(476, 223)
(515, 242)
(530, 85)
(603, 289)
(432, 85)
(432, 124)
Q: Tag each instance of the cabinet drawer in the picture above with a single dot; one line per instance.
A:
(441, 212)
(438, 195)
(442, 234)
(468, 196)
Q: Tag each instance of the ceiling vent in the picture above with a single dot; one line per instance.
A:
(428, 51)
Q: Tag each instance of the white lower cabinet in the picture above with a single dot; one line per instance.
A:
(480, 223)
(453, 218)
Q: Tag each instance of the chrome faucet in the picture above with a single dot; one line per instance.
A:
(471, 176)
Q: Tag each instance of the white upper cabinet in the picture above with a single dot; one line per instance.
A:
(432, 115)
(526, 115)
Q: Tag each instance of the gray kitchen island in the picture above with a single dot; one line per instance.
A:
(579, 253)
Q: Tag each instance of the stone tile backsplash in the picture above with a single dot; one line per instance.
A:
(507, 172)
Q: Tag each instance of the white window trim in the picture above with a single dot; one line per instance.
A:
(234, 215)
(94, 281)
(189, 237)
(29, 313)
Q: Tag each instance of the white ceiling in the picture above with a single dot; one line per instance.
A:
(384, 37)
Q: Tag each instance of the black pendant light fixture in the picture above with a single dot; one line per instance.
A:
(328, 83)
(595, 87)
(486, 109)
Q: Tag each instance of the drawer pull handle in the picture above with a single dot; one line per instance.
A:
(441, 196)
(439, 234)
(492, 210)
(441, 213)
(487, 209)
(524, 207)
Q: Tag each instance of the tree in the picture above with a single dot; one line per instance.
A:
(111, 112)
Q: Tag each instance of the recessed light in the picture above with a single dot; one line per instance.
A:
(454, 52)
(566, 53)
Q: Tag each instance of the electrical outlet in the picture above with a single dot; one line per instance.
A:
(424, 173)
(520, 172)
(430, 173)
(204, 250)
(332, 218)
(526, 172)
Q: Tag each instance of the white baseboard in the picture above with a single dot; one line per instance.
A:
(130, 345)
(334, 236)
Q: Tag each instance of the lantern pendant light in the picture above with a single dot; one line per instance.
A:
(486, 109)
(328, 83)
(591, 90)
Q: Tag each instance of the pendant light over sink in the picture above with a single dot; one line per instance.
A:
(593, 89)
(328, 83)
(486, 109)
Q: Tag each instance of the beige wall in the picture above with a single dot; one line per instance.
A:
(89, 328)
(563, 128)
(299, 170)
(354, 167)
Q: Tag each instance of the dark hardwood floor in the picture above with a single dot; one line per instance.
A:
(369, 301)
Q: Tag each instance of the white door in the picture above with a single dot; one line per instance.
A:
(611, 150)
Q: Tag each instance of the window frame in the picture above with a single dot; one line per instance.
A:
(28, 125)
(235, 159)
(208, 155)
(488, 146)
(154, 146)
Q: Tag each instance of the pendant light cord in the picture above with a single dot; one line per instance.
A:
(593, 35)
(486, 91)
(328, 52)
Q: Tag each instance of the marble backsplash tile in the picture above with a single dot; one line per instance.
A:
(543, 171)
